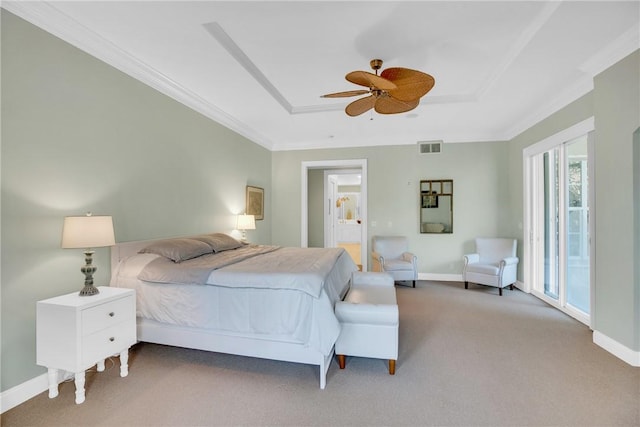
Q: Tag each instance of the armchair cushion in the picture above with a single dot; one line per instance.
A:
(491, 269)
(397, 265)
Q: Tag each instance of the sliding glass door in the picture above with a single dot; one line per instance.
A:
(577, 228)
(557, 184)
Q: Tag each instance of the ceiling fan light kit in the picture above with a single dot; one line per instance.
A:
(395, 90)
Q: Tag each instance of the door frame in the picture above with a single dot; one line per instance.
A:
(330, 188)
(360, 164)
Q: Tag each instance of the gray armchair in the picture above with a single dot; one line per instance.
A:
(494, 263)
(390, 255)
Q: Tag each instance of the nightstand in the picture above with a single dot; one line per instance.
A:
(74, 332)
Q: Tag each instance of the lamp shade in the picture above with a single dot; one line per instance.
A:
(87, 232)
(246, 222)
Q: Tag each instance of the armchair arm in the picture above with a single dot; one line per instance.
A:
(510, 260)
(471, 258)
(378, 261)
(508, 270)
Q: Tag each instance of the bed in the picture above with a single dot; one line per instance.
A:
(226, 296)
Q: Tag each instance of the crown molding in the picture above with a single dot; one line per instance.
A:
(221, 36)
(580, 88)
(620, 48)
(47, 17)
(336, 143)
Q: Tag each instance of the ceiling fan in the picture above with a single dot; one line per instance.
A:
(395, 90)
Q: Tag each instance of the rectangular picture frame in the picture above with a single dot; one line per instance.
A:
(255, 202)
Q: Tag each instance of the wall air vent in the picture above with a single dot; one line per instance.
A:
(430, 147)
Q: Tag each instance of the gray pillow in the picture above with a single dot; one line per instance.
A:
(178, 250)
(218, 241)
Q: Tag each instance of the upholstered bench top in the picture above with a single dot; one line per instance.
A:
(373, 303)
(371, 307)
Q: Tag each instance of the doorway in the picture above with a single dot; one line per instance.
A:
(339, 219)
(560, 220)
(343, 218)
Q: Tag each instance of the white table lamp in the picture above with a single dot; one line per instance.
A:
(246, 222)
(88, 232)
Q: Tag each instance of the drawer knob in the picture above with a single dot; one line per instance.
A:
(112, 339)
(112, 314)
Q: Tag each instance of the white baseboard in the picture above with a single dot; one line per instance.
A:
(524, 288)
(619, 350)
(25, 391)
(440, 277)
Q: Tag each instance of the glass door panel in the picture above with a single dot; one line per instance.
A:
(578, 292)
(551, 225)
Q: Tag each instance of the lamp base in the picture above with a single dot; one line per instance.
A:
(89, 290)
(88, 269)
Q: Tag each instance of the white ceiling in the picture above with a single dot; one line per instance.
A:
(259, 68)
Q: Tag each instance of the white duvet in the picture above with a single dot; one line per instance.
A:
(262, 308)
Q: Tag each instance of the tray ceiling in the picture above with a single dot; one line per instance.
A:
(259, 68)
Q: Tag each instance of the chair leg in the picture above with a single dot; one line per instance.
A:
(392, 367)
(341, 361)
(414, 283)
(500, 291)
(466, 285)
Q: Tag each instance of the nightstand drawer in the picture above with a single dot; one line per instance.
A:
(107, 342)
(105, 315)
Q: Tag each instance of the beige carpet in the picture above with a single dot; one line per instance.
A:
(466, 358)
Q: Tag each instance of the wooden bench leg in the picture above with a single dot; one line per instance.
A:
(341, 361)
(392, 367)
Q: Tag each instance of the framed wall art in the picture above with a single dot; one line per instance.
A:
(255, 202)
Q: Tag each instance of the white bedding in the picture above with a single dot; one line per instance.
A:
(287, 315)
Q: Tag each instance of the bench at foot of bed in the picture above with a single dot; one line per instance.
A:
(369, 319)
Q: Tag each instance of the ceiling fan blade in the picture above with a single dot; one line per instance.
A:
(364, 78)
(389, 105)
(345, 94)
(411, 84)
(360, 106)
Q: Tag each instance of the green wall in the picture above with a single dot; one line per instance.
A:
(315, 217)
(617, 117)
(480, 180)
(636, 208)
(77, 136)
